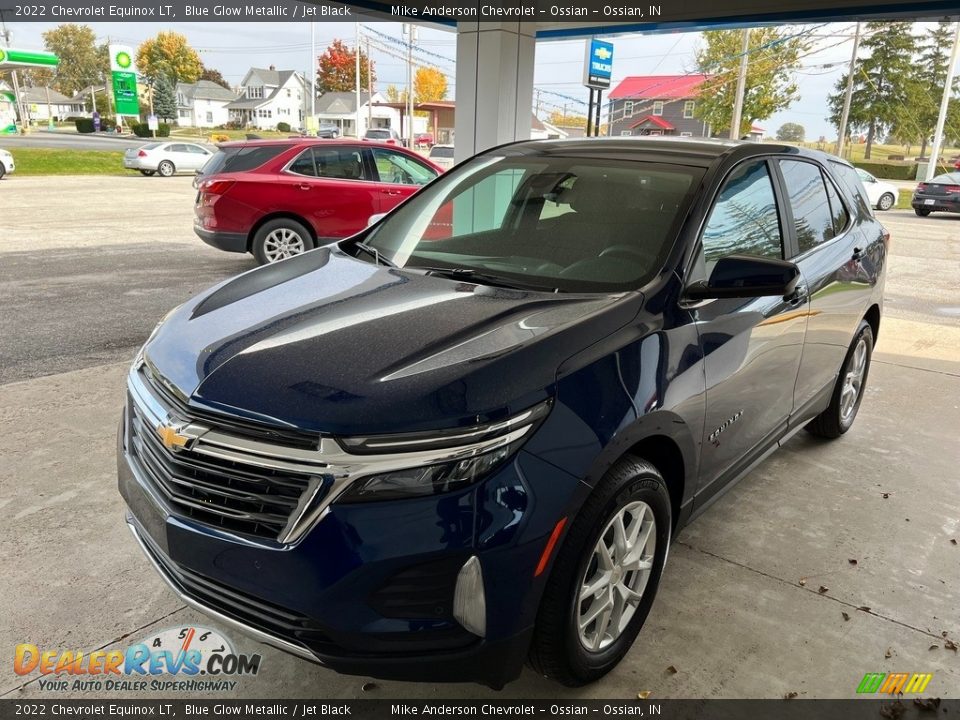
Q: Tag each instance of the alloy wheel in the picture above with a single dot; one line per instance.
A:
(886, 201)
(282, 243)
(853, 380)
(616, 576)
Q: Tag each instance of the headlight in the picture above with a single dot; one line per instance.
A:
(490, 447)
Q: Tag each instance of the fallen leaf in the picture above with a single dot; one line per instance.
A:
(943, 634)
(950, 645)
(893, 711)
(907, 519)
(823, 589)
(803, 581)
(888, 653)
(934, 647)
(845, 616)
(885, 495)
(672, 670)
(852, 561)
(790, 695)
(864, 608)
(953, 541)
(928, 704)
(368, 686)
(643, 694)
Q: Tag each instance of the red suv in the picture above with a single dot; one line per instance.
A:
(279, 198)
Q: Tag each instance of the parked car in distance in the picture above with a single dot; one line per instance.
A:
(442, 155)
(279, 198)
(331, 132)
(423, 140)
(883, 195)
(435, 453)
(940, 194)
(384, 135)
(7, 165)
(166, 158)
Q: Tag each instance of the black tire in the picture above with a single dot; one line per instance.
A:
(885, 202)
(556, 650)
(148, 173)
(3, 170)
(259, 246)
(166, 168)
(921, 212)
(832, 423)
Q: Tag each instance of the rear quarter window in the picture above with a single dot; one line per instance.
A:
(240, 159)
(852, 187)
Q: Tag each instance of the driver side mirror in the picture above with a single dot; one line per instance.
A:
(746, 276)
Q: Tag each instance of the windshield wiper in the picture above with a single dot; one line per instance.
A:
(481, 278)
(377, 257)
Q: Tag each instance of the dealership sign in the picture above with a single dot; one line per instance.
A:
(598, 64)
(124, 76)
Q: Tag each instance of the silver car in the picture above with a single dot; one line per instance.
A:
(442, 155)
(6, 163)
(167, 158)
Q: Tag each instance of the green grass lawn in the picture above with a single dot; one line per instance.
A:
(42, 161)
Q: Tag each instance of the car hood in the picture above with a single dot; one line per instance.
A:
(328, 343)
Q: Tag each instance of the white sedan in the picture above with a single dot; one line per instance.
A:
(883, 195)
(167, 158)
(6, 162)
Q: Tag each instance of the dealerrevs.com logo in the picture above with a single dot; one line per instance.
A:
(186, 659)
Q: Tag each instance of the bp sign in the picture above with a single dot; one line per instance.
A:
(124, 75)
(598, 64)
(12, 58)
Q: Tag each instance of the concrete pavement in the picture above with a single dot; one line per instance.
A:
(739, 613)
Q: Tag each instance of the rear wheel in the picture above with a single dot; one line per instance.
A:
(148, 173)
(885, 202)
(605, 576)
(166, 168)
(921, 212)
(280, 239)
(3, 170)
(848, 392)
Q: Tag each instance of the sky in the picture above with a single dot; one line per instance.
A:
(234, 47)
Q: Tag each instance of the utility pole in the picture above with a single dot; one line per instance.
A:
(411, 37)
(944, 103)
(369, 88)
(848, 96)
(741, 87)
(313, 76)
(356, 52)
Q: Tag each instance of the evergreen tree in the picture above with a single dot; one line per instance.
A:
(164, 99)
(931, 73)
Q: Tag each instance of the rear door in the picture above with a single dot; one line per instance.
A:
(751, 347)
(194, 157)
(399, 176)
(180, 156)
(829, 245)
(331, 188)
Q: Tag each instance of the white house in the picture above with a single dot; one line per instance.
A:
(270, 96)
(43, 103)
(340, 109)
(203, 104)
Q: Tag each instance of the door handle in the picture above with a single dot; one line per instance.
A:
(392, 192)
(304, 186)
(857, 253)
(798, 296)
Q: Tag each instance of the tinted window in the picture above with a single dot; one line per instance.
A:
(239, 159)
(339, 163)
(812, 217)
(394, 167)
(837, 209)
(441, 152)
(853, 187)
(378, 134)
(744, 219)
(303, 164)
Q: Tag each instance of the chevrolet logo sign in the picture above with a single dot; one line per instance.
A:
(603, 53)
(171, 437)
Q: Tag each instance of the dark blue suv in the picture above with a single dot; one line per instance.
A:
(463, 439)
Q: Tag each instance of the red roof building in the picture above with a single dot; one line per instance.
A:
(657, 105)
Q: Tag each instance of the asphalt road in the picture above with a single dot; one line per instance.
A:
(87, 284)
(69, 141)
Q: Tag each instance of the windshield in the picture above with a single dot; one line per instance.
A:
(570, 224)
(441, 152)
(946, 179)
(378, 134)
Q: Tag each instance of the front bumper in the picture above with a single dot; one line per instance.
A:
(368, 590)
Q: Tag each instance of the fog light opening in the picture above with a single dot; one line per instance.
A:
(469, 599)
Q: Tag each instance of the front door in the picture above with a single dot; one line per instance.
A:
(751, 347)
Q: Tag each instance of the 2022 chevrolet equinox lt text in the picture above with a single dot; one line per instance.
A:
(463, 438)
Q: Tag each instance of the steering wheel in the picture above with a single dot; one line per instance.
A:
(622, 250)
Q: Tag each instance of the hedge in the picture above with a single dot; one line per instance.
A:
(889, 171)
(143, 130)
(283, 127)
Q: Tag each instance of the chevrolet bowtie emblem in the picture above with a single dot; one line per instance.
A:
(603, 53)
(171, 437)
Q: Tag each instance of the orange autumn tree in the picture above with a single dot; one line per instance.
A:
(429, 85)
(337, 69)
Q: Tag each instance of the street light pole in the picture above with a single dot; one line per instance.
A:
(356, 52)
(848, 96)
(944, 104)
(741, 87)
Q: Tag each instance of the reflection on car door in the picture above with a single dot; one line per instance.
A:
(751, 347)
(831, 249)
(399, 176)
(329, 187)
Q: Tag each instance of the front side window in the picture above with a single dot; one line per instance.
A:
(555, 223)
(400, 169)
(812, 217)
(744, 220)
(303, 164)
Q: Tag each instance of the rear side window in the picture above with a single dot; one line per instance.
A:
(812, 217)
(744, 219)
(339, 163)
(852, 185)
(840, 215)
(240, 159)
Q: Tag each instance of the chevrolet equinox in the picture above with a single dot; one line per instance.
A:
(464, 438)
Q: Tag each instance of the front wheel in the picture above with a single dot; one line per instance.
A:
(280, 239)
(848, 392)
(605, 576)
(885, 202)
(3, 170)
(921, 212)
(166, 168)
